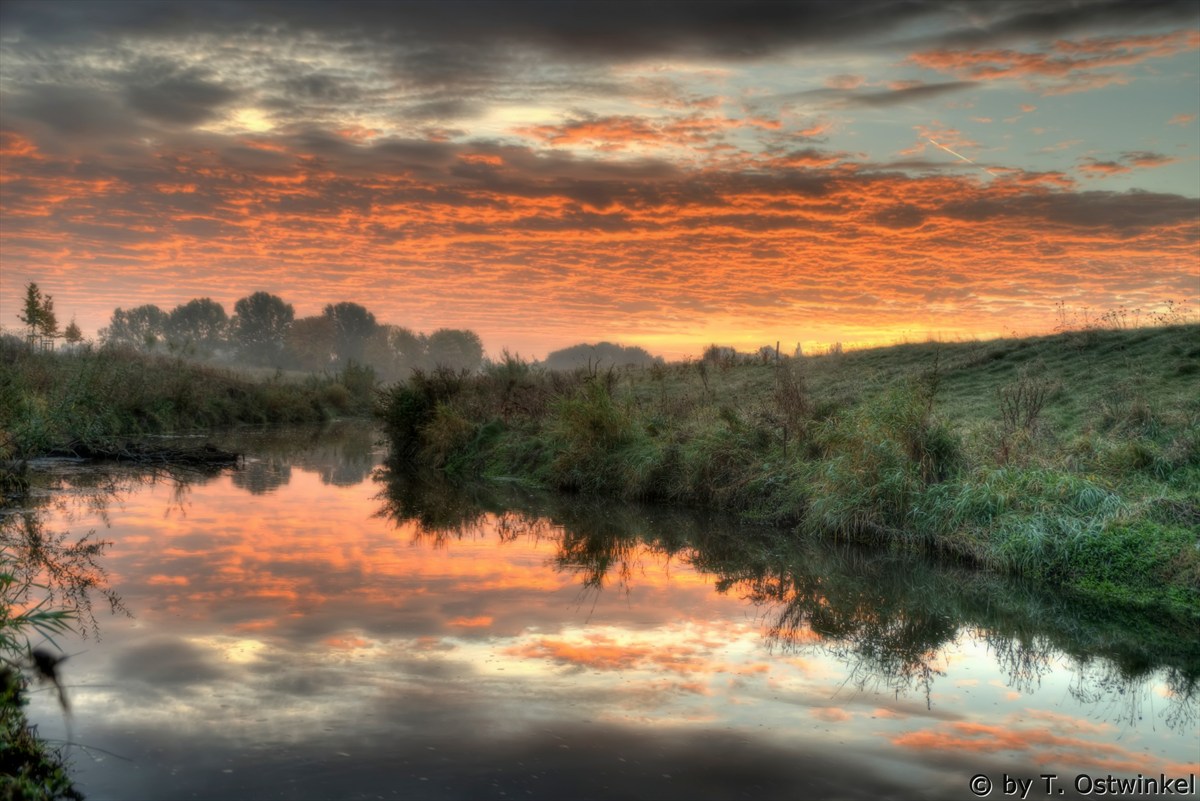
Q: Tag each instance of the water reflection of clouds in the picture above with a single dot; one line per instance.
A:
(302, 625)
(1039, 746)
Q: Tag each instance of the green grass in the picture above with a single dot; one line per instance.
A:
(1051, 457)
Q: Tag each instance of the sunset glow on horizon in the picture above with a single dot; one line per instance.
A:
(662, 174)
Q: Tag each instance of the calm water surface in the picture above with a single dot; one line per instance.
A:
(313, 626)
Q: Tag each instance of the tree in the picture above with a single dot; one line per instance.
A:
(455, 348)
(48, 320)
(32, 314)
(38, 314)
(393, 351)
(260, 327)
(73, 335)
(201, 323)
(352, 325)
(608, 353)
(142, 327)
(310, 343)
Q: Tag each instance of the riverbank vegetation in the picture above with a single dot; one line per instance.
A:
(96, 400)
(1073, 459)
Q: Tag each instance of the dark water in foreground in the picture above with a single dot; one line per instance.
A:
(312, 627)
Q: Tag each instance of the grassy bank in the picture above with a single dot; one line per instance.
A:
(1073, 459)
(91, 398)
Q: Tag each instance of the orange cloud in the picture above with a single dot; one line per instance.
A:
(1125, 163)
(1071, 64)
(530, 249)
(1102, 168)
(1142, 158)
(1039, 745)
(830, 714)
(619, 132)
(15, 146)
(816, 129)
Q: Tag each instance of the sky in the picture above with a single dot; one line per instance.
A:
(659, 174)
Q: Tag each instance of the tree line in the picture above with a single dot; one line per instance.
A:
(264, 331)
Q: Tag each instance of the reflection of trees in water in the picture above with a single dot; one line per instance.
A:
(890, 617)
(442, 512)
(342, 454)
(851, 606)
(260, 476)
(1105, 684)
(1025, 659)
(65, 570)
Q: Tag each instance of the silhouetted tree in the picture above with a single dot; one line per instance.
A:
(141, 327)
(456, 348)
(32, 309)
(48, 322)
(260, 327)
(607, 353)
(73, 335)
(393, 351)
(38, 314)
(352, 324)
(310, 343)
(201, 323)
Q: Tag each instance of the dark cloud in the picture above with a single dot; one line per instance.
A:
(892, 97)
(167, 661)
(319, 87)
(901, 216)
(1126, 212)
(186, 98)
(994, 23)
(444, 109)
(857, 97)
(582, 29)
(70, 112)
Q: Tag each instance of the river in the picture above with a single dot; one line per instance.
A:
(313, 625)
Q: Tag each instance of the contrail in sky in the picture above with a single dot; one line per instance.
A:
(960, 155)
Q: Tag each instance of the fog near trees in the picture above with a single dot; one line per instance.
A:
(606, 354)
(263, 331)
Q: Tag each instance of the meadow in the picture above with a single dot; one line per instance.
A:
(1073, 459)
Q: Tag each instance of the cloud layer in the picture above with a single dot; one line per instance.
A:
(745, 172)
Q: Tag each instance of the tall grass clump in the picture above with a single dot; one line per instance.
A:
(877, 460)
(407, 409)
(597, 447)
